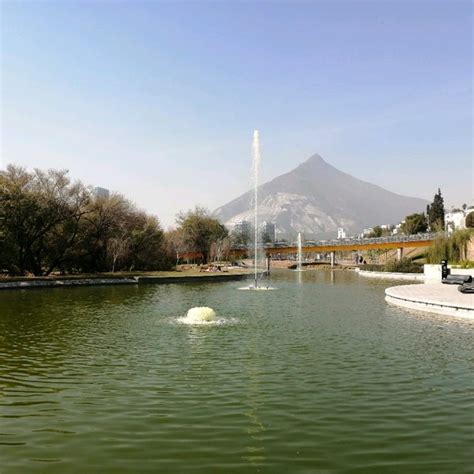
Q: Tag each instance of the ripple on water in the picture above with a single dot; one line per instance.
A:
(219, 321)
(318, 376)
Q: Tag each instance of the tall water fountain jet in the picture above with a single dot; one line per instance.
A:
(299, 261)
(255, 169)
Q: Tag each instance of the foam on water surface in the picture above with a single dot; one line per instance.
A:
(202, 315)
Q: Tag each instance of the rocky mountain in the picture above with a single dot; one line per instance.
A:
(315, 198)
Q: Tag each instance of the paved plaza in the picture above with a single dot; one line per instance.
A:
(433, 298)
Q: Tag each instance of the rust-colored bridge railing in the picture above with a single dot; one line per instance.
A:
(339, 245)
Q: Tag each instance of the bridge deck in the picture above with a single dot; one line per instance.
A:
(350, 247)
(381, 243)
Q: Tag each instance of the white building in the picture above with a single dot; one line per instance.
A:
(341, 233)
(456, 219)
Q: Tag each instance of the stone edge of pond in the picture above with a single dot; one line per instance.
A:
(431, 298)
(32, 284)
(393, 275)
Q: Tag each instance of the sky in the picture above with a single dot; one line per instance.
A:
(159, 100)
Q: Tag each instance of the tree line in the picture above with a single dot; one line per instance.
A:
(49, 223)
(432, 220)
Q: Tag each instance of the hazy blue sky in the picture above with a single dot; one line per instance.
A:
(159, 100)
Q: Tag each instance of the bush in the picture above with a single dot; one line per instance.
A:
(452, 248)
(372, 267)
(405, 265)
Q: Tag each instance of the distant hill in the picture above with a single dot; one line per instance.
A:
(315, 198)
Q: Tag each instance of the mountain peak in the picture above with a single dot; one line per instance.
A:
(316, 198)
(314, 159)
(313, 163)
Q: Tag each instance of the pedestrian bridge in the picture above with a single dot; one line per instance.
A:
(398, 242)
(357, 244)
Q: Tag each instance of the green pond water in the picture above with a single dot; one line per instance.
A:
(319, 376)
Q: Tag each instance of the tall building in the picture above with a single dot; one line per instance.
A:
(242, 232)
(267, 231)
(101, 192)
(341, 233)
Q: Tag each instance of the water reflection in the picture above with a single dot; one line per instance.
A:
(255, 449)
(322, 367)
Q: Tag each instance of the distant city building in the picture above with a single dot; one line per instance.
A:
(398, 228)
(456, 219)
(242, 226)
(267, 231)
(242, 232)
(101, 192)
(341, 233)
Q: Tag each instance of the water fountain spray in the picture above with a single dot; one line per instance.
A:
(256, 165)
(255, 169)
(299, 265)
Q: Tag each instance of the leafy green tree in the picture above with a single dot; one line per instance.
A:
(377, 231)
(146, 244)
(435, 212)
(200, 230)
(415, 224)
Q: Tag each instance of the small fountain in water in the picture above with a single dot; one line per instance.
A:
(199, 315)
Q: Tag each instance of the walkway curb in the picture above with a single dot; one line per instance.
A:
(393, 275)
(432, 298)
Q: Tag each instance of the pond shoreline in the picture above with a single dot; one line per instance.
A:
(96, 280)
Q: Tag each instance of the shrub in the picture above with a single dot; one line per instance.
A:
(405, 265)
(452, 248)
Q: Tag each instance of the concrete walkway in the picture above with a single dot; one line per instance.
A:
(432, 298)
